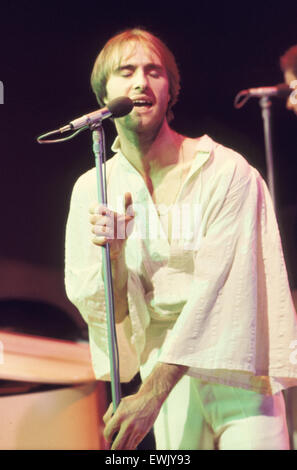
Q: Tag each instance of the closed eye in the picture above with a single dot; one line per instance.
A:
(154, 70)
(154, 73)
(125, 71)
(128, 70)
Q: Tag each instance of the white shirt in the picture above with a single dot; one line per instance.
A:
(217, 301)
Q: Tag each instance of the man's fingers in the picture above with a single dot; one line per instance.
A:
(103, 231)
(123, 438)
(110, 423)
(108, 414)
(119, 442)
(110, 227)
(127, 438)
(101, 220)
(112, 426)
(129, 205)
(96, 208)
(99, 209)
(132, 441)
(128, 200)
(100, 241)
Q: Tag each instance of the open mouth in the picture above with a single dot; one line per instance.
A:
(142, 103)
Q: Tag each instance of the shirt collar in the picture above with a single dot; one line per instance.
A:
(203, 151)
(116, 146)
(204, 144)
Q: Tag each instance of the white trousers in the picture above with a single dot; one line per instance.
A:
(200, 415)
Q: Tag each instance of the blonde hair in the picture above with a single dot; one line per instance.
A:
(110, 57)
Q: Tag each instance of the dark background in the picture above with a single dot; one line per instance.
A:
(46, 57)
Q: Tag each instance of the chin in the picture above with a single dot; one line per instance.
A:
(142, 123)
(150, 127)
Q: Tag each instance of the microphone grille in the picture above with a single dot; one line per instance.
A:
(120, 106)
(283, 90)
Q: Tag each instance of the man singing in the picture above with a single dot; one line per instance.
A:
(202, 303)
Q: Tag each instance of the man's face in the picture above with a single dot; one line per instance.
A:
(142, 77)
(291, 80)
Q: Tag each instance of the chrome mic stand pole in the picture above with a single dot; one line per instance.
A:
(98, 148)
(241, 98)
(265, 104)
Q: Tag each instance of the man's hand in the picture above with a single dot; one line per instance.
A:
(132, 420)
(111, 227)
(137, 413)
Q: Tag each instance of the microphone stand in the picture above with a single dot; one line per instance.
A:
(265, 104)
(99, 151)
(240, 100)
(118, 107)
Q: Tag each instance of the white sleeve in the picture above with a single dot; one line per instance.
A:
(85, 288)
(239, 315)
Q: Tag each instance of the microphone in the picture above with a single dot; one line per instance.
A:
(282, 90)
(116, 108)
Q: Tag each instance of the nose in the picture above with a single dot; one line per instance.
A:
(140, 80)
